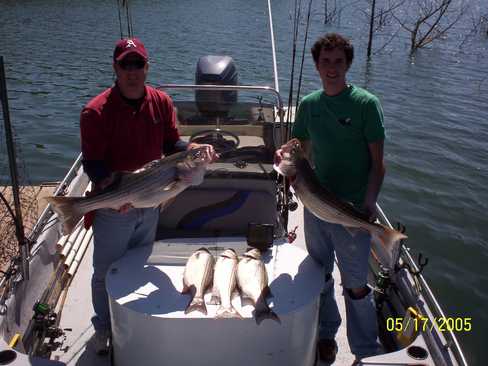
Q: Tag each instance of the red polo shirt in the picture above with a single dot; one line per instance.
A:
(123, 137)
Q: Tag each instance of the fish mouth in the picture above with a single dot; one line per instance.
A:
(252, 253)
(278, 169)
(286, 167)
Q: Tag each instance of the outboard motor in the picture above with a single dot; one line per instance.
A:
(215, 70)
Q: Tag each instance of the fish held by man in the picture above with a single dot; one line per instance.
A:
(224, 284)
(327, 206)
(156, 183)
(197, 278)
(252, 280)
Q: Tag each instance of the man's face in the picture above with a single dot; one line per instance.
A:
(131, 74)
(332, 67)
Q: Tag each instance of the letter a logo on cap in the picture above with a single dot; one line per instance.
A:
(127, 46)
(130, 43)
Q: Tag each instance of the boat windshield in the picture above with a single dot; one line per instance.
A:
(234, 119)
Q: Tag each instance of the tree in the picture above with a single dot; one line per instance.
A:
(378, 19)
(371, 24)
(329, 12)
(432, 22)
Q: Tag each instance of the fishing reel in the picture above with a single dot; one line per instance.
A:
(45, 327)
(291, 204)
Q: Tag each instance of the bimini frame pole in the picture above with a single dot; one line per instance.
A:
(273, 49)
(19, 227)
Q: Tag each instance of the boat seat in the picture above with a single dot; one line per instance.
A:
(219, 208)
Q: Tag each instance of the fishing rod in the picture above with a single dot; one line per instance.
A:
(296, 21)
(287, 201)
(294, 50)
(19, 227)
(300, 77)
(123, 6)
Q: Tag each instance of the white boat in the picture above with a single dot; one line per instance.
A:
(46, 305)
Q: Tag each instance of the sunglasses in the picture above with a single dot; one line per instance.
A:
(132, 64)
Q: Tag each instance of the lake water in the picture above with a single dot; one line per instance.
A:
(58, 55)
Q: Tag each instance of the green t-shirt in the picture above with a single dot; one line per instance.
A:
(340, 128)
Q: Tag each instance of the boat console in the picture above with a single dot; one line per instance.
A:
(150, 325)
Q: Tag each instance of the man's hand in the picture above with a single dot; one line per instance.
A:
(209, 151)
(285, 149)
(126, 207)
(369, 208)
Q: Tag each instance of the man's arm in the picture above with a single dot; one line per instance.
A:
(375, 178)
(93, 146)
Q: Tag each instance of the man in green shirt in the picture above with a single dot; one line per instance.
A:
(341, 130)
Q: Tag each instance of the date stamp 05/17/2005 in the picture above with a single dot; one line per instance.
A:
(421, 323)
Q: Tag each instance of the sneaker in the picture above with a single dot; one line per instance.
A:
(100, 342)
(327, 350)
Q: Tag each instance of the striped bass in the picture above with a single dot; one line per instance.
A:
(197, 277)
(224, 284)
(156, 183)
(252, 280)
(326, 205)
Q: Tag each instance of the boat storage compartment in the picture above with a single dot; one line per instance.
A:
(149, 323)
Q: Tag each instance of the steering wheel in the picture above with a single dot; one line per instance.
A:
(216, 139)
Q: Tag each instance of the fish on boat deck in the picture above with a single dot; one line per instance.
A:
(224, 284)
(197, 278)
(252, 280)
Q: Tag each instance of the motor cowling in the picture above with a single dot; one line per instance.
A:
(215, 70)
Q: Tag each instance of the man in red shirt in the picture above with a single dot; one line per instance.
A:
(123, 128)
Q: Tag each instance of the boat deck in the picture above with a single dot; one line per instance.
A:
(77, 348)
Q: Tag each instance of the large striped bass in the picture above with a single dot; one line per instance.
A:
(252, 280)
(326, 205)
(224, 284)
(156, 183)
(197, 278)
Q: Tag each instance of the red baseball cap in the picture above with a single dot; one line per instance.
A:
(127, 46)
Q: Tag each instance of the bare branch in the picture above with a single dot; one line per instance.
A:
(387, 42)
(401, 23)
(428, 37)
(430, 23)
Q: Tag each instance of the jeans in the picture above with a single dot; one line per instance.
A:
(322, 239)
(113, 234)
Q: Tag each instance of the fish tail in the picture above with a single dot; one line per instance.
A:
(214, 300)
(263, 311)
(266, 313)
(389, 238)
(67, 210)
(196, 303)
(227, 313)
